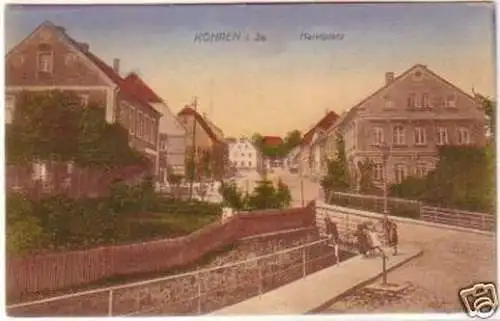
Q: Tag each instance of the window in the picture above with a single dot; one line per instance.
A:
(442, 136)
(450, 101)
(378, 172)
(378, 136)
(411, 100)
(10, 103)
(132, 120)
(84, 98)
(420, 138)
(45, 61)
(388, 103)
(153, 131)
(242, 155)
(249, 164)
(463, 136)
(124, 116)
(399, 172)
(399, 135)
(425, 101)
(421, 170)
(138, 118)
(242, 163)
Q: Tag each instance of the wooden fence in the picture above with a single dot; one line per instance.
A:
(474, 220)
(55, 271)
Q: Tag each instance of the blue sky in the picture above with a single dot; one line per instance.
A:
(283, 83)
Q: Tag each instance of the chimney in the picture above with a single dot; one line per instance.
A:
(84, 46)
(116, 65)
(389, 77)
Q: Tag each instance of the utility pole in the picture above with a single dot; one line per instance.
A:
(193, 151)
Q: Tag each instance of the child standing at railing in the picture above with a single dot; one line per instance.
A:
(333, 236)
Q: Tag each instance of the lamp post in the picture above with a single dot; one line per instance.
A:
(385, 149)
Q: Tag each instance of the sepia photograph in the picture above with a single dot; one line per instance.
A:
(250, 159)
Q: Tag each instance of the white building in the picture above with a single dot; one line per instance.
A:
(243, 155)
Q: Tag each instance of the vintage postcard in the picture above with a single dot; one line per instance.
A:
(250, 159)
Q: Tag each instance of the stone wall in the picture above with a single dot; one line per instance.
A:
(217, 284)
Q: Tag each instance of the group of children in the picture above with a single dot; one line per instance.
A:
(367, 238)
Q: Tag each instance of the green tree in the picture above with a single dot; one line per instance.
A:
(292, 139)
(232, 196)
(366, 185)
(283, 195)
(337, 176)
(489, 107)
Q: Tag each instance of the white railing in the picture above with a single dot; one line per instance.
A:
(195, 292)
(475, 220)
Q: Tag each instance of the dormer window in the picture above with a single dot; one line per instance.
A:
(450, 101)
(388, 103)
(417, 76)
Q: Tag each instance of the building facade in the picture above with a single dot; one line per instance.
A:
(49, 59)
(172, 135)
(412, 114)
(200, 139)
(311, 158)
(244, 155)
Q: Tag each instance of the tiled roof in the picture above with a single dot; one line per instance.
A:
(324, 124)
(272, 140)
(135, 84)
(189, 111)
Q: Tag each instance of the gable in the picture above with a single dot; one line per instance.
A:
(168, 122)
(68, 65)
(421, 88)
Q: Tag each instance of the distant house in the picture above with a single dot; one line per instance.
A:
(49, 59)
(311, 159)
(244, 155)
(201, 138)
(172, 142)
(272, 161)
(272, 141)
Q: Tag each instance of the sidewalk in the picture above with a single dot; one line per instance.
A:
(318, 290)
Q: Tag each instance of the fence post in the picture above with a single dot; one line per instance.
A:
(110, 303)
(304, 262)
(261, 279)
(198, 281)
(483, 223)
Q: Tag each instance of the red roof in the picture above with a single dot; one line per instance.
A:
(272, 140)
(135, 84)
(188, 111)
(326, 122)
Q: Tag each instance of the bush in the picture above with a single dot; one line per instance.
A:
(395, 208)
(23, 230)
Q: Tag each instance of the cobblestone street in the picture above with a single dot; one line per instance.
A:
(451, 260)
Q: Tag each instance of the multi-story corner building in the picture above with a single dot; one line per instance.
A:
(201, 138)
(311, 158)
(413, 114)
(172, 135)
(49, 59)
(244, 155)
